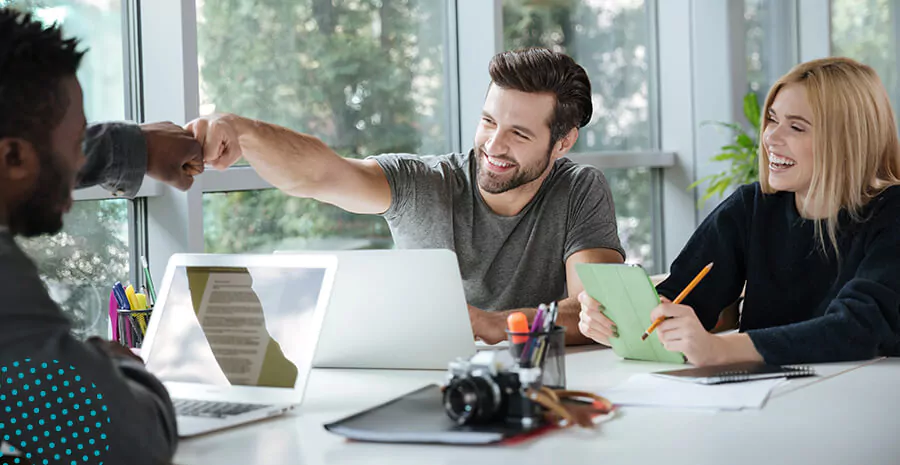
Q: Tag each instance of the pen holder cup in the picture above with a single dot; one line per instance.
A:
(546, 350)
(132, 326)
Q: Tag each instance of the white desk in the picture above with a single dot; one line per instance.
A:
(849, 416)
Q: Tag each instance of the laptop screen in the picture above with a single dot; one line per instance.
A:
(244, 326)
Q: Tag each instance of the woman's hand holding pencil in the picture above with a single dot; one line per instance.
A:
(679, 330)
(684, 293)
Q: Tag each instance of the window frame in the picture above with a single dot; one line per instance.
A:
(130, 22)
(689, 52)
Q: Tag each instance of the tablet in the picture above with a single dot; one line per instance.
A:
(629, 297)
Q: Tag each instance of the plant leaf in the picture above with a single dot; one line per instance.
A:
(746, 141)
(724, 156)
(741, 155)
(702, 180)
(751, 110)
(719, 186)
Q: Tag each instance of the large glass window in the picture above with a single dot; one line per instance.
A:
(865, 30)
(80, 264)
(365, 77)
(98, 26)
(609, 38)
(755, 13)
(770, 40)
(633, 195)
(263, 221)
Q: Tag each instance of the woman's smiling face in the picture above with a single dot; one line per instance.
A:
(788, 139)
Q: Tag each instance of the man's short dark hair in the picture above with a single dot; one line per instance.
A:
(539, 70)
(34, 59)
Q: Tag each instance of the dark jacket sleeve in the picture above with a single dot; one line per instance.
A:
(79, 401)
(861, 322)
(63, 399)
(116, 158)
(720, 239)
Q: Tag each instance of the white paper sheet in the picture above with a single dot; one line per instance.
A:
(654, 391)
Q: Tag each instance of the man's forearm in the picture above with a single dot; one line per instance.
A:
(293, 162)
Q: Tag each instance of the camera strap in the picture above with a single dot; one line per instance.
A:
(567, 408)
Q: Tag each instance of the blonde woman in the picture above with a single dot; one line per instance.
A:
(816, 240)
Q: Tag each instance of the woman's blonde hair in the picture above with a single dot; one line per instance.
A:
(856, 153)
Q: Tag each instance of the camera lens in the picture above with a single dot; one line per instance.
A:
(473, 399)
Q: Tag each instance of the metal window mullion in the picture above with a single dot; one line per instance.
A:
(452, 77)
(625, 160)
(131, 33)
(814, 29)
(657, 220)
(479, 37)
(894, 7)
(140, 245)
(171, 93)
(137, 211)
(651, 8)
(678, 118)
(133, 244)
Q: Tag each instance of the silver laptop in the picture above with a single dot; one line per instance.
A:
(397, 309)
(232, 336)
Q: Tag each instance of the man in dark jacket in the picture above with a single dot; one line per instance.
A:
(62, 399)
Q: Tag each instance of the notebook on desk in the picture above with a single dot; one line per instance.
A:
(736, 372)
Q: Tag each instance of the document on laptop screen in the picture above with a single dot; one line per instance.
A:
(237, 326)
(231, 316)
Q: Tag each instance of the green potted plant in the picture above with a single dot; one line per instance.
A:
(742, 153)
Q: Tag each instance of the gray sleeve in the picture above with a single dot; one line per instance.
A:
(407, 176)
(591, 219)
(116, 158)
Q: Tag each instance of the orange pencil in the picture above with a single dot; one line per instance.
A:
(687, 290)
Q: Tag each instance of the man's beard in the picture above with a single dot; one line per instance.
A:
(490, 183)
(42, 213)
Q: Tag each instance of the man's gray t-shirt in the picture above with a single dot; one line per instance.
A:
(506, 262)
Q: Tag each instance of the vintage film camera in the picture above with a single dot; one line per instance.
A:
(491, 387)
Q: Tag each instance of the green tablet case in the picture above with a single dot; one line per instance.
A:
(629, 297)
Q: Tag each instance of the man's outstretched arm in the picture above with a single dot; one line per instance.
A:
(119, 154)
(298, 164)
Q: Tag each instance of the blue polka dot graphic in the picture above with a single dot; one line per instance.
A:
(49, 413)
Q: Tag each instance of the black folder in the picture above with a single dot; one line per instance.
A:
(419, 417)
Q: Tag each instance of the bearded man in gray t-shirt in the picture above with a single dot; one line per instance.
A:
(516, 212)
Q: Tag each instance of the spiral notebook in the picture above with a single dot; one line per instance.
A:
(736, 372)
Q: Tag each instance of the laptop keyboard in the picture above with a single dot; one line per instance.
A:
(209, 409)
